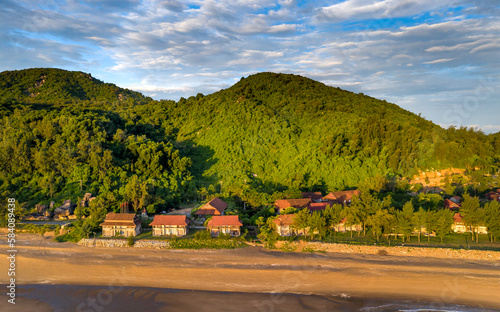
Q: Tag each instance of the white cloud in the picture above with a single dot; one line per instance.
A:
(438, 61)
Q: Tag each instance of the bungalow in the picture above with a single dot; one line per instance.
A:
(451, 205)
(125, 224)
(225, 225)
(170, 225)
(215, 207)
(314, 196)
(318, 206)
(459, 225)
(341, 197)
(456, 199)
(493, 195)
(284, 225)
(282, 204)
(343, 227)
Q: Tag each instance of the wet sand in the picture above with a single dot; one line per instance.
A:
(253, 271)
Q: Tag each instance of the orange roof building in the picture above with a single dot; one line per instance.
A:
(451, 205)
(170, 225)
(215, 207)
(318, 206)
(123, 224)
(282, 204)
(314, 196)
(341, 197)
(225, 225)
(284, 225)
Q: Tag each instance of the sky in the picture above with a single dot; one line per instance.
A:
(436, 58)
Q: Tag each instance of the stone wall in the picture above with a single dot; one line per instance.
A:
(395, 251)
(158, 244)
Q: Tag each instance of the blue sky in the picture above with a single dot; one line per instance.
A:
(436, 58)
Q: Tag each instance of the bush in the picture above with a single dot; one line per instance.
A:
(202, 235)
(205, 243)
(130, 241)
(223, 236)
(382, 252)
(288, 247)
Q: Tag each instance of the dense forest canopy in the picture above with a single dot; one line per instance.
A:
(66, 133)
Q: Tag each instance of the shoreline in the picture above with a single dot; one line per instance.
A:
(257, 270)
(127, 298)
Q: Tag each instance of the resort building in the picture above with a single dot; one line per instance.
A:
(284, 225)
(123, 224)
(341, 197)
(225, 225)
(451, 204)
(318, 206)
(459, 226)
(215, 207)
(282, 204)
(314, 196)
(170, 225)
(343, 227)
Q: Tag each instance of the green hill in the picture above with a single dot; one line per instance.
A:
(277, 131)
(268, 133)
(56, 86)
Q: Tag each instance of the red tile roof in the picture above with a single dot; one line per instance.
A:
(171, 220)
(318, 206)
(312, 195)
(451, 205)
(284, 220)
(342, 196)
(214, 207)
(121, 219)
(457, 218)
(225, 221)
(296, 203)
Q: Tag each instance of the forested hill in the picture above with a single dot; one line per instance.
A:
(276, 131)
(65, 133)
(56, 86)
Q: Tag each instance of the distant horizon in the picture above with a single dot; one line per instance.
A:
(435, 58)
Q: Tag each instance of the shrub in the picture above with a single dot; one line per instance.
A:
(202, 235)
(130, 241)
(382, 252)
(223, 236)
(288, 247)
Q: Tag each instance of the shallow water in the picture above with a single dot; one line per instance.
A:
(63, 298)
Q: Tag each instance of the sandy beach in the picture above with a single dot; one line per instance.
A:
(253, 270)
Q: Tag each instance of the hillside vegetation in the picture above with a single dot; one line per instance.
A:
(65, 133)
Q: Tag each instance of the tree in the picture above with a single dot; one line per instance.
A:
(444, 220)
(317, 223)
(430, 223)
(332, 215)
(136, 192)
(491, 219)
(405, 220)
(471, 214)
(352, 214)
(379, 221)
(419, 220)
(301, 221)
(289, 210)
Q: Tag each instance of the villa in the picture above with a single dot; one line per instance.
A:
(170, 225)
(225, 225)
(124, 224)
(215, 207)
